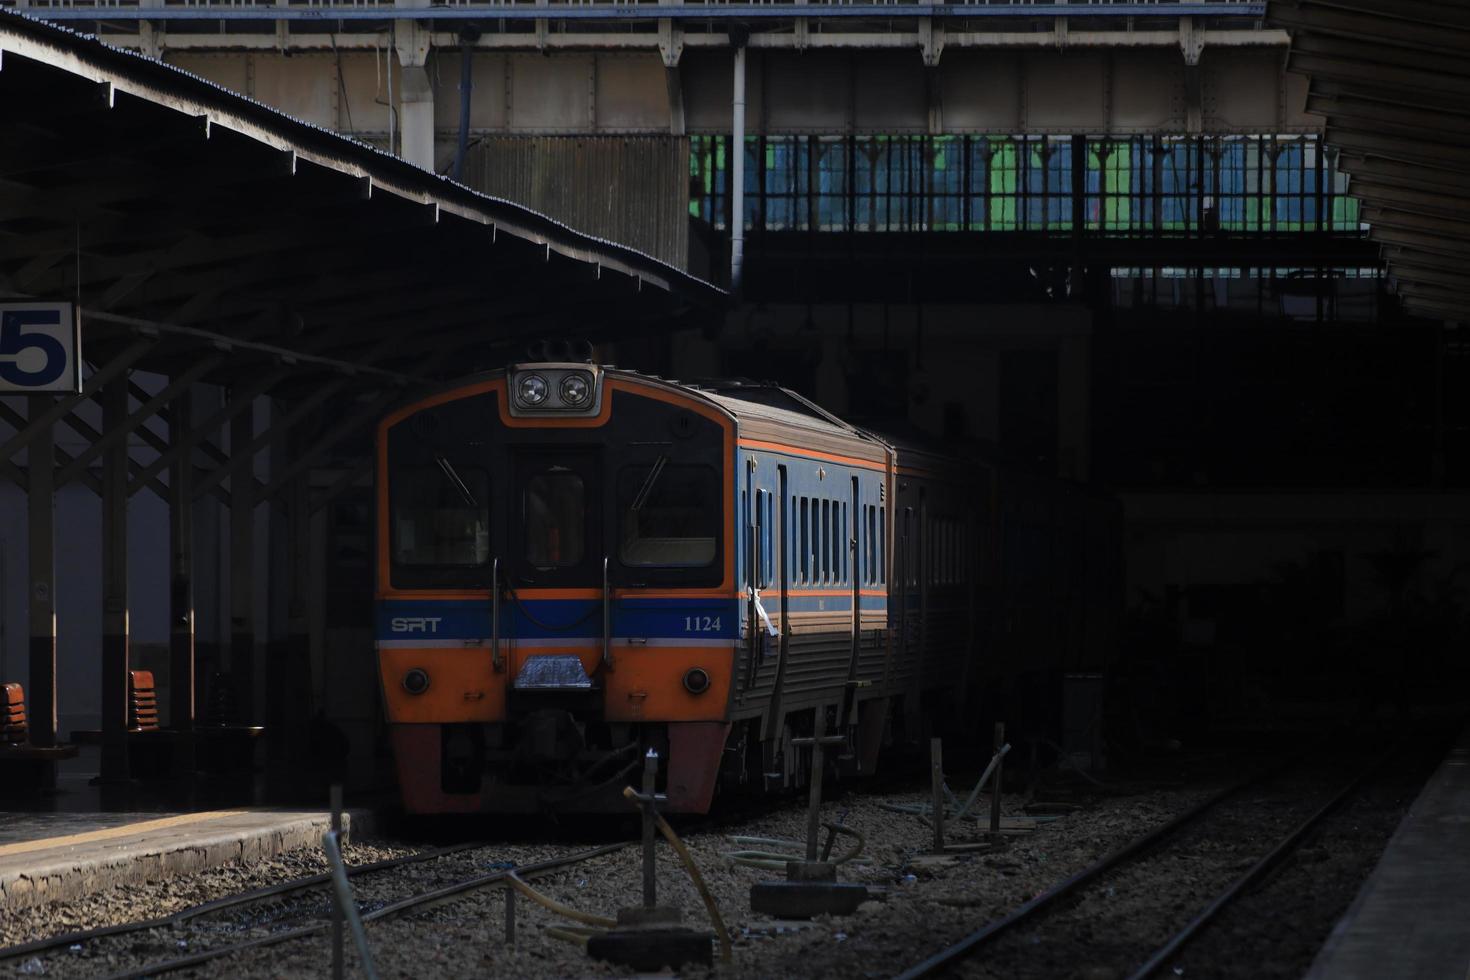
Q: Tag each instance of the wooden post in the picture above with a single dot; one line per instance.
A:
(995, 781)
(936, 784)
(818, 742)
(338, 913)
(650, 879)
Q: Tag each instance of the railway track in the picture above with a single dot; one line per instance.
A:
(1139, 961)
(285, 922)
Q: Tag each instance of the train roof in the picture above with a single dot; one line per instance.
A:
(767, 412)
(771, 402)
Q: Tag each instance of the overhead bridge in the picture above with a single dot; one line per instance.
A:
(666, 68)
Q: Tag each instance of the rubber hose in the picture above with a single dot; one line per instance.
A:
(575, 915)
(726, 952)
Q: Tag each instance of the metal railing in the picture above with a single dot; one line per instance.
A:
(1127, 186)
(635, 9)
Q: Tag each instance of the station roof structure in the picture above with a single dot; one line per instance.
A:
(201, 231)
(1393, 82)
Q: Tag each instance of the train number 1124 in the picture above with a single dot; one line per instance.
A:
(701, 624)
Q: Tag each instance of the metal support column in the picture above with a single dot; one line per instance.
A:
(242, 566)
(298, 692)
(1081, 157)
(467, 40)
(115, 586)
(288, 664)
(41, 505)
(737, 175)
(181, 676)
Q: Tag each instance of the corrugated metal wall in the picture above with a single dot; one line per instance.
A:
(631, 190)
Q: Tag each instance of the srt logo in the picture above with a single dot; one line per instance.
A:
(416, 624)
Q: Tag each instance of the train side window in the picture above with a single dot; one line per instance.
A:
(805, 551)
(769, 551)
(912, 552)
(763, 522)
(882, 547)
(441, 515)
(743, 547)
(670, 516)
(830, 573)
(865, 543)
(840, 541)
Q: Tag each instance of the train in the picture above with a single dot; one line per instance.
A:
(577, 564)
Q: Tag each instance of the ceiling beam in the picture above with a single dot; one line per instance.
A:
(1371, 27)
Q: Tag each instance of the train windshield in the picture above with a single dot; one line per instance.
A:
(670, 515)
(441, 515)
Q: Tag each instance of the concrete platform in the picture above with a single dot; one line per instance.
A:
(47, 857)
(1411, 920)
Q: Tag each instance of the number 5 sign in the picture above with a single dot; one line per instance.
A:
(40, 347)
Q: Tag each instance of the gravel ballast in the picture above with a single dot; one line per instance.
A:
(931, 902)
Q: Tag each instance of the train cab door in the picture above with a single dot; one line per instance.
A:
(779, 537)
(556, 553)
(854, 567)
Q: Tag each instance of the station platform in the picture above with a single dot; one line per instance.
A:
(82, 837)
(1411, 919)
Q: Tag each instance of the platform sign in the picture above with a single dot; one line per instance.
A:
(40, 347)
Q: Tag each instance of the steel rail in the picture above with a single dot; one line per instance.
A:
(402, 905)
(227, 901)
(966, 946)
(1275, 856)
(962, 949)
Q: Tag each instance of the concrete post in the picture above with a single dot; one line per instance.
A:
(415, 94)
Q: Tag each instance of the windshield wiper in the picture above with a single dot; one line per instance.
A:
(453, 476)
(641, 497)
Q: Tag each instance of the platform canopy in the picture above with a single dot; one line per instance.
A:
(196, 226)
(1393, 81)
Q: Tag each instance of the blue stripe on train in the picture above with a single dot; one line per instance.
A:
(822, 603)
(571, 619)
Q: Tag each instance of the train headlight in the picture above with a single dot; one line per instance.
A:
(416, 680)
(696, 680)
(575, 390)
(531, 391)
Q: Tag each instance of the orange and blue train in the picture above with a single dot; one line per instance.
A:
(577, 564)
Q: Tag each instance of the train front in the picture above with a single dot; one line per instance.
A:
(555, 590)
